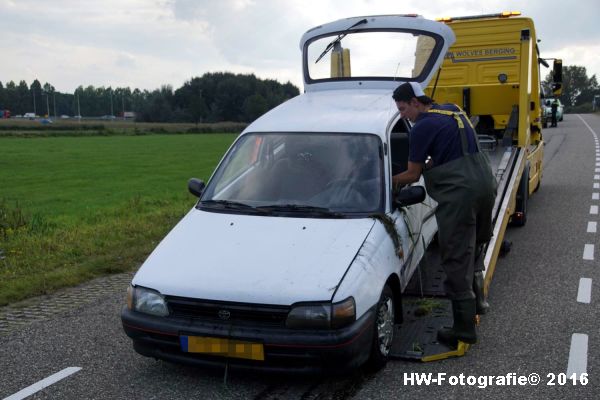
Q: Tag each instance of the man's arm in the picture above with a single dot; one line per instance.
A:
(412, 174)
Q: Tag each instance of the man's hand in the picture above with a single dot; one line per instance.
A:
(412, 174)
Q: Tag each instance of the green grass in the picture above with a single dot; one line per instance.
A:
(74, 208)
(14, 127)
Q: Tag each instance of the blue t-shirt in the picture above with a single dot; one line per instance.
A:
(438, 136)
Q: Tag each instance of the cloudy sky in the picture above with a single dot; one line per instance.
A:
(149, 43)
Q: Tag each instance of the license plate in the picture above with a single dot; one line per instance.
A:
(222, 347)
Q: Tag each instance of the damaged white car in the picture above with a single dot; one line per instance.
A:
(297, 253)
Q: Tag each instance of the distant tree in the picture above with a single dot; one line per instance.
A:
(36, 94)
(26, 98)
(577, 88)
(2, 97)
(10, 101)
(254, 106)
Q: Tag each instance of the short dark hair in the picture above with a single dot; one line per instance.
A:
(405, 93)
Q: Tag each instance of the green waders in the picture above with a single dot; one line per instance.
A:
(465, 190)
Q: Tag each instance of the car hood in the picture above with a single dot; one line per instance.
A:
(254, 259)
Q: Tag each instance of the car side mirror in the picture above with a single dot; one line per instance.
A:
(196, 186)
(409, 196)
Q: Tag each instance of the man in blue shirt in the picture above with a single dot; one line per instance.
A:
(443, 148)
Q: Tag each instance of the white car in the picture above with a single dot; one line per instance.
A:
(297, 253)
(547, 111)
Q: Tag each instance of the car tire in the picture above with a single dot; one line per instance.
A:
(383, 330)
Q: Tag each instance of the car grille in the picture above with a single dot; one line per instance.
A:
(241, 313)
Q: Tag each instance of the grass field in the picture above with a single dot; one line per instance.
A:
(15, 127)
(73, 208)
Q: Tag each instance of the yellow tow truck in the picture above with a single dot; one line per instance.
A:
(493, 72)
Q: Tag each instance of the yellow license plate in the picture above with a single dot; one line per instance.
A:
(222, 347)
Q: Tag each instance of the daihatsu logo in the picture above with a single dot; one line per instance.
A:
(224, 314)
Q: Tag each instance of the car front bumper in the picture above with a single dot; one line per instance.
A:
(286, 350)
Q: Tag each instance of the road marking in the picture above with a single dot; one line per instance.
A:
(584, 293)
(597, 177)
(44, 383)
(586, 124)
(595, 196)
(597, 170)
(594, 210)
(592, 226)
(596, 185)
(588, 252)
(578, 355)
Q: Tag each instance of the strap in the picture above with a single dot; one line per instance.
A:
(461, 126)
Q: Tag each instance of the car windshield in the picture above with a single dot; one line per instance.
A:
(299, 173)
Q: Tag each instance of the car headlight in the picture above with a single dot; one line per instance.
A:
(146, 301)
(322, 315)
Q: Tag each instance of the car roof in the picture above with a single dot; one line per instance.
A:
(344, 111)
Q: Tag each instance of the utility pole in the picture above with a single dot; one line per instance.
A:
(54, 102)
(47, 104)
(111, 105)
(78, 109)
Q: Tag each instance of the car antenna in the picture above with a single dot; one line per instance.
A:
(437, 78)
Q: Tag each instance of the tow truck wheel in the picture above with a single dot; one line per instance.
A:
(383, 334)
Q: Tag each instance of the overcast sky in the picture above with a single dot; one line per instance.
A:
(149, 43)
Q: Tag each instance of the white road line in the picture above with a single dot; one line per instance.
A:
(592, 227)
(597, 170)
(594, 210)
(584, 293)
(588, 252)
(578, 355)
(595, 196)
(36, 387)
(596, 185)
(597, 177)
(586, 124)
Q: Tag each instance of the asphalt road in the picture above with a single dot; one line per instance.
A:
(535, 314)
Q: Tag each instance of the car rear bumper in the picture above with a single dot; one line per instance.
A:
(285, 350)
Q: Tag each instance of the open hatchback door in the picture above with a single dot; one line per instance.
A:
(376, 52)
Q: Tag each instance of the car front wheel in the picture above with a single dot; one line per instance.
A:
(383, 334)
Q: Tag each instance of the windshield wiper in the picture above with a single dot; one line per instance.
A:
(301, 208)
(232, 205)
(339, 39)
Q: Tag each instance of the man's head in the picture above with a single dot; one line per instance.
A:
(411, 100)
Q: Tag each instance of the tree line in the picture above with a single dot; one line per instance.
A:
(578, 90)
(213, 97)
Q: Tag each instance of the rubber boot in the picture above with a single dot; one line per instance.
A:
(480, 301)
(463, 328)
